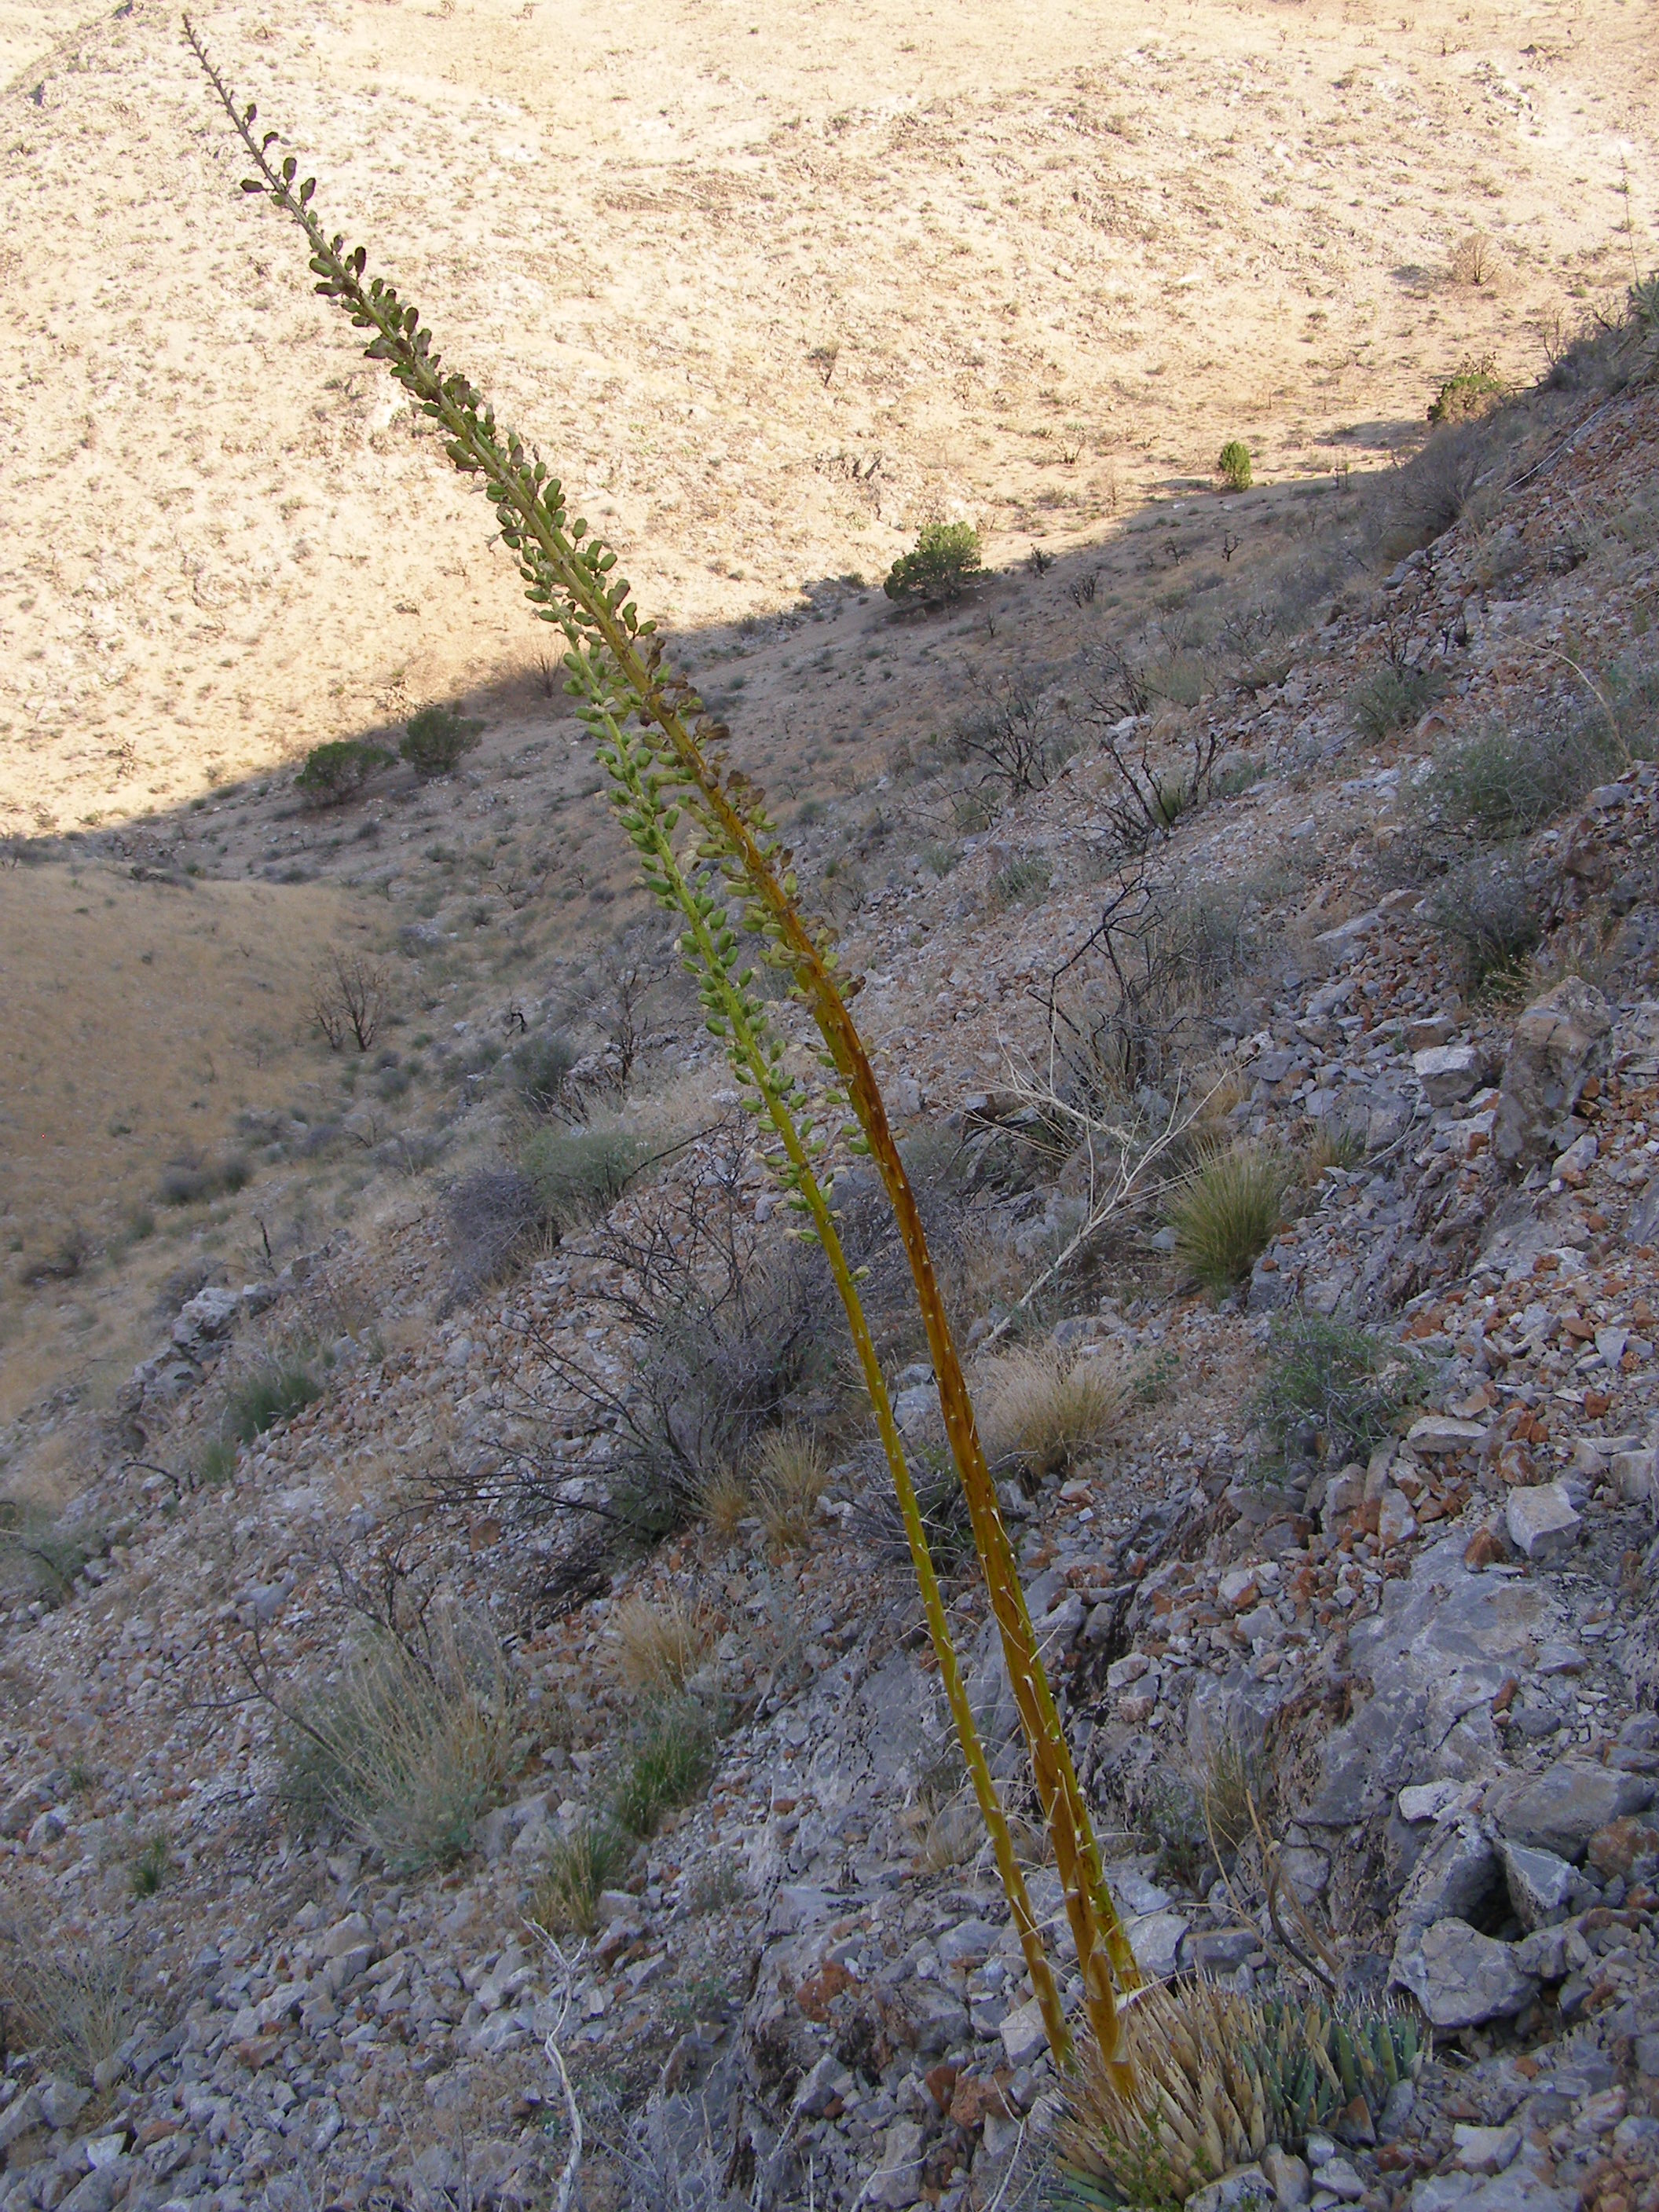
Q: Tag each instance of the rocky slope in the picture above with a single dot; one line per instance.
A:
(1436, 1658)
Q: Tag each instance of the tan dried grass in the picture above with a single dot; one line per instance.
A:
(1044, 1411)
(659, 1645)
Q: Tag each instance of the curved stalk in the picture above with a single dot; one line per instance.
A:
(741, 1021)
(567, 572)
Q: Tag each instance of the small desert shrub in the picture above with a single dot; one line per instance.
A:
(1333, 1389)
(188, 1183)
(658, 1646)
(1233, 466)
(39, 1556)
(217, 1463)
(943, 561)
(1474, 260)
(1392, 699)
(1486, 910)
(495, 1217)
(1427, 497)
(437, 740)
(789, 1480)
(668, 1763)
(1473, 391)
(406, 1748)
(541, 1068)
(1227, 1211)
(1025, 878)
(150, 1866)
(592, 1857)
(273, 1392)
(335, 772)
(69, 1999)
(716, 1885)
(1507, 781)
(1044, 1411)
(580, 1174)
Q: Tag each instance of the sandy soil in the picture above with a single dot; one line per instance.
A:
(770, 299)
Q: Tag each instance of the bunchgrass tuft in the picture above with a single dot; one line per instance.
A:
(792, 1472)
(1044, 1411)
(667, 1762)
(1227, 1212)
(406, 1750)
(593, 1857)
(660, 1645)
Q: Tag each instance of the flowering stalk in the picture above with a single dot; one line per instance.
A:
(616, 671)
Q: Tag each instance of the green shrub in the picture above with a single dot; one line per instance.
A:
(943, 562)
(1334, 1389)
(1506, 783)
(1485, 908)
(188, 1183)
(580, 1174)
(1233, 466)
(593, 1857)
(274, 1392)
(667, 1764)
(70, 1999)
(406, 1748)
(1393, 699)
(1025, 878)
(150, 1866)
(1227, 1213)
(437, 739)
(334, 773)
(541, 1067)
(38, 1557)
(1473, 391)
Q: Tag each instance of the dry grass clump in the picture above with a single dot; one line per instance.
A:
(1044, 1411)
(725, 1502)
(1227, 1212)
(407, 1747)
(658, 1646)
(68, 1998)
(794, 1469)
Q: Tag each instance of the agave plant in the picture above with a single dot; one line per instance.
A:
(1216, 2075)
(710, 852)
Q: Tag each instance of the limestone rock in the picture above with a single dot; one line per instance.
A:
(1557, 1043)
(1541, 1886)
(1448, 1073)
(1560, 1809)
(1542, 1522)
(1461, 1978)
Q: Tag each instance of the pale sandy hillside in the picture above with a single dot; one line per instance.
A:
(772, 291)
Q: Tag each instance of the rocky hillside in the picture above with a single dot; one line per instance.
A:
(476, 1652)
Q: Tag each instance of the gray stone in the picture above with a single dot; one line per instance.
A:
(1543, 1954)
(1454, 1877)
(1221, 1950)
(1438, 1434)
(1155, 1939)
(1556, 1045)
(1637, 1474)
(1461, 1978)
(1022, 2034)
(896, 2184)
(1444, 1644)
(1541, 1885)
(1519, 2189)
(1642, 1228)
(1448, 1073)
(1560, 1809)
(1541, 1522)
(1244, 2187)
(63, 2102)
(1484, 2150)
(20, 2117)
(1287, 2176)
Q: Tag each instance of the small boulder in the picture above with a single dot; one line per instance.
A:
(1557, 1044)
(1448, 1073)
(1541, 1522)
(1461, 1978)
(1541, 1886)
(1615, 1849)
(1560, 1809)
(1438, 1435)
